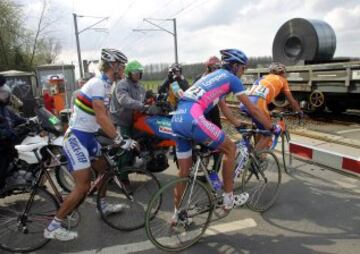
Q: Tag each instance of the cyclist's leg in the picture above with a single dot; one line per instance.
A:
(182, 125)
(76, 149)
(209, 134)
(263, 141)
(228, 148)
(184, 156)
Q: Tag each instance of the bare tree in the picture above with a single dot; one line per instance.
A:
(42, 38)
(40, 28)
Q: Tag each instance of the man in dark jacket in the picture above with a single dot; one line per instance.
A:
(127, 97)
(174, 74)
(8, 121)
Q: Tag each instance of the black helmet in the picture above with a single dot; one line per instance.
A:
(175, 67)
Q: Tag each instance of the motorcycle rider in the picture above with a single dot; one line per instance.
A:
(8, 137)
(80, 144)
(128, 97)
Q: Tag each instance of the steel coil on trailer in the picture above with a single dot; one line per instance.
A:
(299, 40)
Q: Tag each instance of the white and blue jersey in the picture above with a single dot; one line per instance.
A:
(80, 145)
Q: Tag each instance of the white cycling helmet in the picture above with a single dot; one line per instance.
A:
(113, 55)
(277, 68)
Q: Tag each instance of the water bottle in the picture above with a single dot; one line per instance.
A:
(215, 181)
(242, 156)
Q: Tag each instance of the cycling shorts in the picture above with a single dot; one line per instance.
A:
(80, 148)
(189, 124)
(262, 105)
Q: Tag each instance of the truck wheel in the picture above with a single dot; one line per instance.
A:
(317, 100)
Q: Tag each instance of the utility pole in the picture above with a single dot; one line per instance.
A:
(78, 40)
(78, 46)
(160, 28)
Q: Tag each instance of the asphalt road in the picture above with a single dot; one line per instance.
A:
(317, 211)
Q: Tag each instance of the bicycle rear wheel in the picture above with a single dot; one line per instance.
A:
(23, 233)
(135, 197)
(194, 214)
(286, 155)
(261, 179)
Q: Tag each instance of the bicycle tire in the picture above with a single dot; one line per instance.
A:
(64, 178)
(262, 191)
(29, 236)
(195, 220)
(143, 184)
(286, 155)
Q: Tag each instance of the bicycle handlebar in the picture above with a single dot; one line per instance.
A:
(245, 131)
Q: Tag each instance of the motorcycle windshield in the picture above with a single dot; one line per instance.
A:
(48, 121)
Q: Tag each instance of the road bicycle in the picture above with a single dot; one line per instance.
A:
(26, 209)
(260, 176)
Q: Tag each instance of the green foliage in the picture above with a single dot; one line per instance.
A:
(191, 71)
(17, 41)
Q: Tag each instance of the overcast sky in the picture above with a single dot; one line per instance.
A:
(204, 26)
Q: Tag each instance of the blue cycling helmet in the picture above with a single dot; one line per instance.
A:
(233, 56)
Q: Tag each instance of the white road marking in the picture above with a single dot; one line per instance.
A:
(147, 245)
(348, 131)
(231, 226)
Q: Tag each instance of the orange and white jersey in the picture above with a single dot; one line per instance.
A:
(268, 87)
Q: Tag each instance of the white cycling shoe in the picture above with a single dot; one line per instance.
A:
(235, 201)
(60, 234)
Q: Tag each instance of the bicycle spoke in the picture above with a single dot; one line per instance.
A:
(261, 181)
(25, 233)
(134, 197)
(194, 213)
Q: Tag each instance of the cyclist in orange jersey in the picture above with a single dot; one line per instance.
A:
(263, 92)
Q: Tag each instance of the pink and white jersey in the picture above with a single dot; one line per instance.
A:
(208, 90)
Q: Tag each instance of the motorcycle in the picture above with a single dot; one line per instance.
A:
(154, 135)
(42, 134)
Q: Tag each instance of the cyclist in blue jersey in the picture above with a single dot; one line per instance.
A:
(190, 124)
(80, 146)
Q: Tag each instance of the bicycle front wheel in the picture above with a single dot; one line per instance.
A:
(64, 178)
(261, 179)
(195, 209)
(134, 198)
(21, 232)
(286, 155)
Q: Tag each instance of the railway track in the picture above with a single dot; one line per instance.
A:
(314, 125)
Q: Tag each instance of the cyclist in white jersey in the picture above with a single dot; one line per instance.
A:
(80, 146)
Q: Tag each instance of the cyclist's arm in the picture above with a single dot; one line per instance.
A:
(294, 104)
(164, 88)
(103, 119)
(228, 113)
(255, 111)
